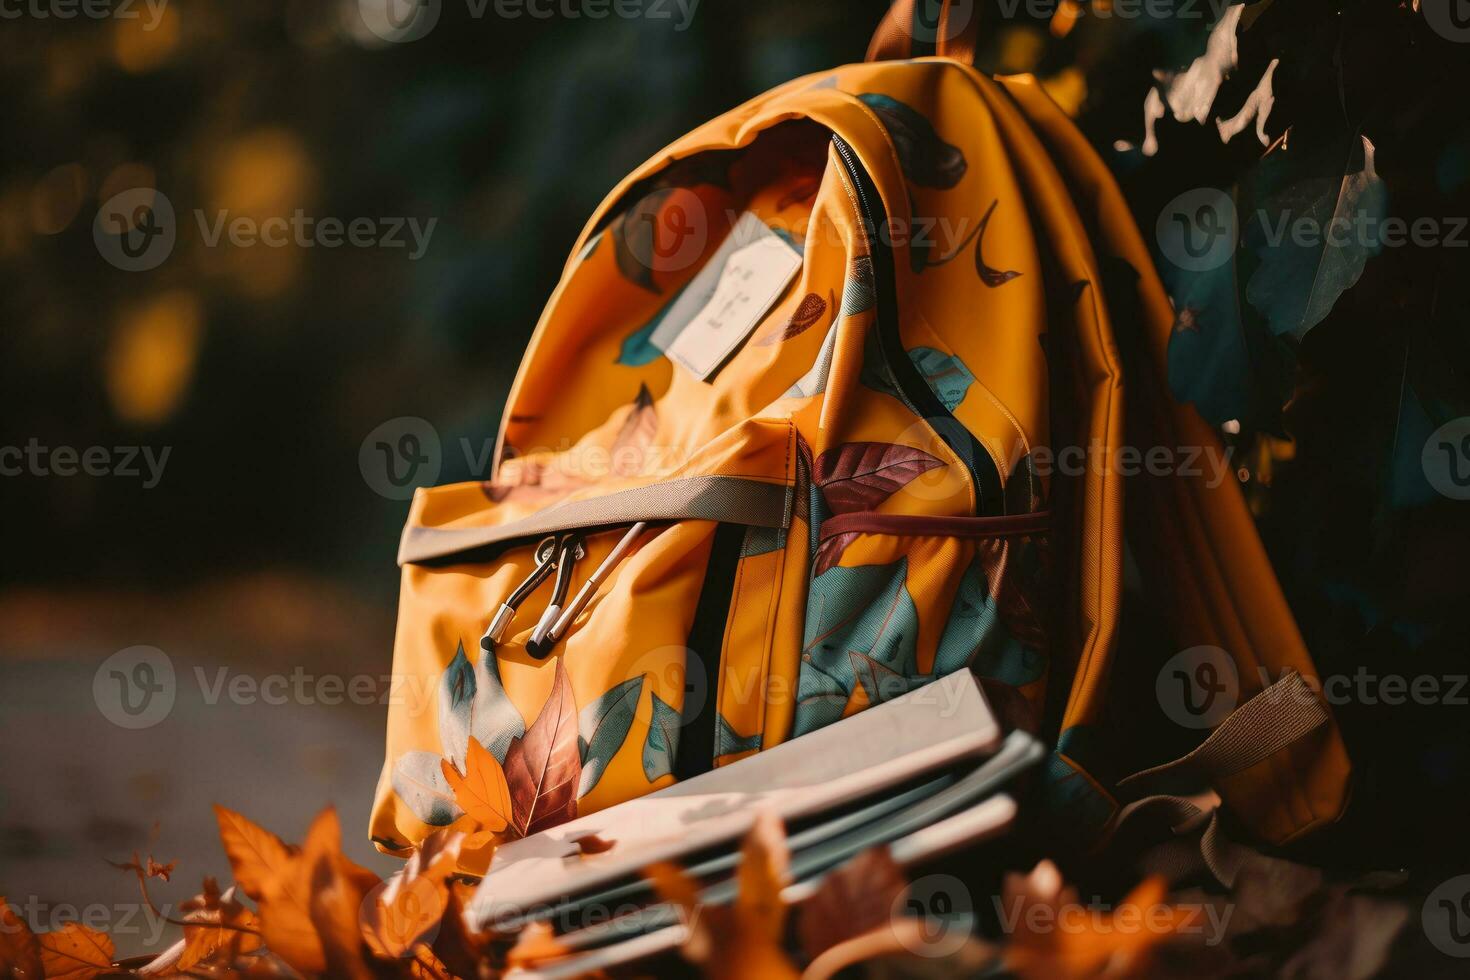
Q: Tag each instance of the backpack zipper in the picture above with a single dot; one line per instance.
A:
(912, 389)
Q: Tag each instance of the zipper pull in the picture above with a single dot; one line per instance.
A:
(500, 622)
(594, 581)
(568, 553)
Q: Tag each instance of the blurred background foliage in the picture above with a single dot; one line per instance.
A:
(263, 369)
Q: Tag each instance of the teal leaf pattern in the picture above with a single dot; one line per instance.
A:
(945, 373)
(927, 160)
(820, 698)
(858, 295)
(662, 744)
(865, 610)
(456, 708)
(638, 348)
(602, 727)
(1074, 804)
(1004, 658)
(972, 618)
(419, 782)
(860, 291)
(728, 741)
(496, 722)
(814, 382)
(879, 681)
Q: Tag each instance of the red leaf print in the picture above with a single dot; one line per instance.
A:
(543, 767)
(858, 476)
(829, 552)
(807, 315)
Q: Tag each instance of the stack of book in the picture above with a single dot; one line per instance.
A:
(921, 774)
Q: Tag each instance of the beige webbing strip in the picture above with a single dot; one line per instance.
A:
(1275, 718)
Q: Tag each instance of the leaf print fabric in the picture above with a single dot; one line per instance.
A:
(729, 742)
(807, 315)
(602, 727)
(946, 374)
(544, 767)
(991, 277)
(858, 476)
(927, 159)
(420, 783)
(456, 699)
(662, 745)
(865, 610)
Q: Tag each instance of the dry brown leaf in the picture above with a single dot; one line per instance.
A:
(1053, 937)
(75, 952)
(339, 890)
(482, 792)
(407, 908)
(543, 766)
(146, 869)
(743, 940)
(537, 943)
(855, 899)
(20, 952)
(220, 929)
(455, 945)
(903, 948)
(275, 876)
(593, 844)
(281, 880)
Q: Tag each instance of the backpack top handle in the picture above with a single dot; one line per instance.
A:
(954, 33)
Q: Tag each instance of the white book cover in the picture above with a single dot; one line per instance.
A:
(858, 757)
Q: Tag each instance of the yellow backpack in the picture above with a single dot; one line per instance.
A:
(791, 438)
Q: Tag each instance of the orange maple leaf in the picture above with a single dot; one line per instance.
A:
(482, 792)
(75, 952)
(219, 929)
(20, 953)
(1056, 938)
(742, 940)
(281, 879)
(405, 911)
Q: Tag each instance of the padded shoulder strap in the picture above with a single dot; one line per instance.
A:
(955, 32)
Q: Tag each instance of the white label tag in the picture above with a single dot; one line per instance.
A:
(727, 298)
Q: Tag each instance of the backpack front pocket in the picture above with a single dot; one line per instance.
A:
(589, 690)
(895, 601)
